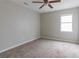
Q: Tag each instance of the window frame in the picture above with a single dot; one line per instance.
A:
(66, 23)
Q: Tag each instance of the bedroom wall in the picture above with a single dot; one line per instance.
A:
(50, 25)
(78, 23)
(18, 25)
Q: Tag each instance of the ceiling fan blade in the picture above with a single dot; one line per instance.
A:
(54, 1)
(50, 6)
(37, 2)
(42, 6)
(25, 3)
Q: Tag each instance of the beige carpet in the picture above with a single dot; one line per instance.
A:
(43, 49)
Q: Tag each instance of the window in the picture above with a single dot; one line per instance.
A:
(66, 23)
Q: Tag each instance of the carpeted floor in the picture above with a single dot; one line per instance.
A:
(42, 48)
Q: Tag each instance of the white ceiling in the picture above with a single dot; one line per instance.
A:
(64, 4)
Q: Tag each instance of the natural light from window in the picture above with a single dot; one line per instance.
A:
(66, 23)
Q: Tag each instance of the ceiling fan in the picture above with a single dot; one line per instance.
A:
(46, 2)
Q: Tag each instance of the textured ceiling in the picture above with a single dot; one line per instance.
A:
(64, 4)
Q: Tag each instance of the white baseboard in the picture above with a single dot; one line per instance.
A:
(59, 39)
(47, 37)
(9, 48)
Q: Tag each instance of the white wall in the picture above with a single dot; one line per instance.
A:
(50, 25)
(17, 25)
(78, 23)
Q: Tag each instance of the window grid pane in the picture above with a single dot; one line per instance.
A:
(66, 27)
(66, 18)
